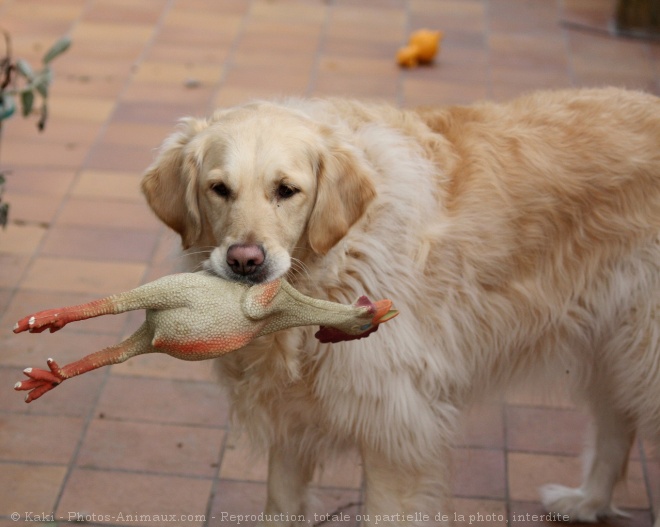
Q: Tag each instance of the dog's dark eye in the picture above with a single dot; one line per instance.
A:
(221, 190)
(286, 191)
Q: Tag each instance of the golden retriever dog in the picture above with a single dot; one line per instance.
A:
(518, 241)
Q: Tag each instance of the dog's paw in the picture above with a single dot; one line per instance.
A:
(575, 504)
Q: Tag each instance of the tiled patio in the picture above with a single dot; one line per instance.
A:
(151, 437)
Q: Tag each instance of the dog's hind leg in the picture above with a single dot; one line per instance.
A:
(606, 461)
(653, 472)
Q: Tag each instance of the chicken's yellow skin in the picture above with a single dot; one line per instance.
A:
(198, 316)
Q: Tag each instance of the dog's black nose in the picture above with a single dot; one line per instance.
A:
(245, 259)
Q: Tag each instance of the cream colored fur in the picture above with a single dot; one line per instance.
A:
(518, 240)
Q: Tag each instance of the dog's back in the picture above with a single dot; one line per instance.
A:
(555, 206)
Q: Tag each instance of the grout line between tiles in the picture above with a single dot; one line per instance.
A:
(320, 48)
(566, 37)
(140, 472)
(486, 44)
(231, 56)
(216, 476)
(402, 75)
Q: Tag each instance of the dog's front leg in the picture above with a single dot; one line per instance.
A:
(289, 475)
(407, 494)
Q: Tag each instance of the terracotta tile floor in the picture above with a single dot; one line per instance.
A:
(151, 436)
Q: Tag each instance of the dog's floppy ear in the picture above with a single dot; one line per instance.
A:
(344, 189)
(170, 183)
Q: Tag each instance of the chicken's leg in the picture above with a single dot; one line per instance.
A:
(42, 381)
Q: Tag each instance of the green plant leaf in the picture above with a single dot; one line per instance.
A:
(25, 69)
(44, 82)
(42, 88)
(7, 107)
(58, 48)
(27, 101)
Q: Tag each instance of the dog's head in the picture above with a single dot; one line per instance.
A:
(258, 183)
